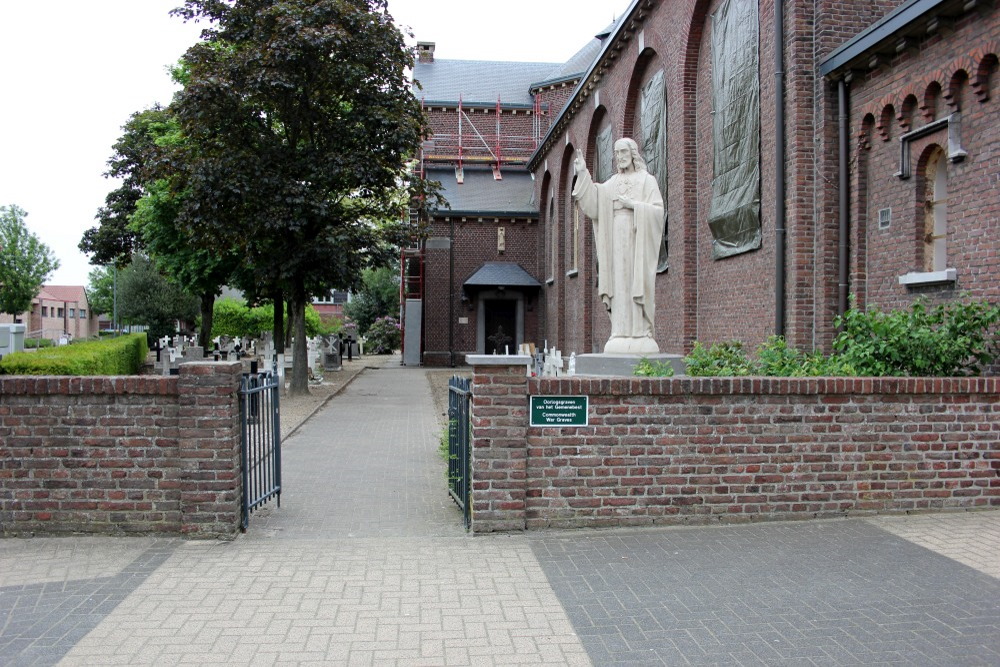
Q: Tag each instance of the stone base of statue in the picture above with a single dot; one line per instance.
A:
(631, 345)
(623, 365)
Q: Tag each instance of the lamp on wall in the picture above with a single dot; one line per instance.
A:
(466, 301)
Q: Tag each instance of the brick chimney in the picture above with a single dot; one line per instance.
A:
(425, 52)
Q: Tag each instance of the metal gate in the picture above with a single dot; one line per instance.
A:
(459, 446)
(260, 438)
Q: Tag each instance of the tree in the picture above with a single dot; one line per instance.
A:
(377, 297)
(153, 158)
(25, 262)
(101, 290)
(303, 120)
(146, 297)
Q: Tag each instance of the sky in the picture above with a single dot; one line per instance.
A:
(72, 72)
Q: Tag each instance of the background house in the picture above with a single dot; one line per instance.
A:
(58, 311)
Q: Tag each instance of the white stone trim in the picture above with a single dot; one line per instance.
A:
(916, 278)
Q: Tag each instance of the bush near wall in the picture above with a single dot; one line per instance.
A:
(955, 339)
(118, 356)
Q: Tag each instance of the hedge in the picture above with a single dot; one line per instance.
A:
(117, 356)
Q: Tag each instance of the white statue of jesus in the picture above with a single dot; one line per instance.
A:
(627, 211)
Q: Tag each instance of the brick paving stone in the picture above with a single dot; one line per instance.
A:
(971, 538)
(825, 592)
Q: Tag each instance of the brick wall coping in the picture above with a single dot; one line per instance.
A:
(498, 359)
(568, 386)
(44, 385)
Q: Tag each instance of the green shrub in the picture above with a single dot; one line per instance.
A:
(649, 368)
(952, 339)
(775, 358)
(35, 343)
(233, 318)
(721, 359)
(117, 356)
(383, 336)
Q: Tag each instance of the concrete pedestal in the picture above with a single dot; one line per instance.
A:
(623, 364)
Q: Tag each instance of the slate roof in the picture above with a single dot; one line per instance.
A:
(67, 293)
(496, 274)
(480, 194)
(479, 80)
(581, 60)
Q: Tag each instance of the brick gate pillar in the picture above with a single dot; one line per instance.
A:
(208, 444)
(499, 443)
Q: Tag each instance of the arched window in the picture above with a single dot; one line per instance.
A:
(553, 240)
(936, 214)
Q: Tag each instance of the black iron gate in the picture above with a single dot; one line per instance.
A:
(459, 445)
(260, 437)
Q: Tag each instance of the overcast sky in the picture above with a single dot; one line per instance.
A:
(71, 73)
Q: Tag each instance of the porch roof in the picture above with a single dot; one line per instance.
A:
(501, 274)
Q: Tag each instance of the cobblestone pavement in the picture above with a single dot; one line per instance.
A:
(366, 563)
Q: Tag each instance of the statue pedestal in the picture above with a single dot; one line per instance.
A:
(623, 364)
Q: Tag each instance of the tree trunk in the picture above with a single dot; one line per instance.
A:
(290, 328)
(278, 332)
(299, 385)
(207, 312)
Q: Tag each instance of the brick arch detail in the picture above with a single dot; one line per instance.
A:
(972, 69)
(884, 123)
(905, 114)
(689, 174)
(987, 67)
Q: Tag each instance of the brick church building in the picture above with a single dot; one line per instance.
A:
(807, 152)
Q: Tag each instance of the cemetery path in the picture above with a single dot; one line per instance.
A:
(366, 465)
(366, 562)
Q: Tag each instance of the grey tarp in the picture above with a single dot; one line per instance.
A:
(734, 216)
(653, 145)
(605, 155)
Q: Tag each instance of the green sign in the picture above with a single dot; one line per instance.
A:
(558, 411)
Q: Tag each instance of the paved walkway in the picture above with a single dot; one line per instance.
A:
(366, 563)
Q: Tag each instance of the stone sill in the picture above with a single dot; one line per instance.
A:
(573, 273)
(915, 278)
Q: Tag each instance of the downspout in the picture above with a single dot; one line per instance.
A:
(779, 162)
(451, 294)
(843, 249)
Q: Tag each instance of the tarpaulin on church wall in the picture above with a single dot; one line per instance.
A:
(734, 215)
(653, 144)
(605, 155)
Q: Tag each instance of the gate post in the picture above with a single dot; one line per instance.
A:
(499, 441)
(208, 443)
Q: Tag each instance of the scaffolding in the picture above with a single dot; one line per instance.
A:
(471, 142)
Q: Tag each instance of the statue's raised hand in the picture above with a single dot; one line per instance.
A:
(578, 162)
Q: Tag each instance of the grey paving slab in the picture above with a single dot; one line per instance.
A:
(809, 593)
(43, 618)
(367, 465)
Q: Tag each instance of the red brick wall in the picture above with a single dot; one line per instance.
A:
(475, 243)
(721, 449)
(973, 194)
(121, 454)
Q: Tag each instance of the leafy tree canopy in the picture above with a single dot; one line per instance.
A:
(300, 120)
(25, 262)
(378, 296)
(101, 290)
(146, 297)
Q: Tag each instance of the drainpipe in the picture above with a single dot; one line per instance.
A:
(843, 249)
(779, 162)
(451, 294)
